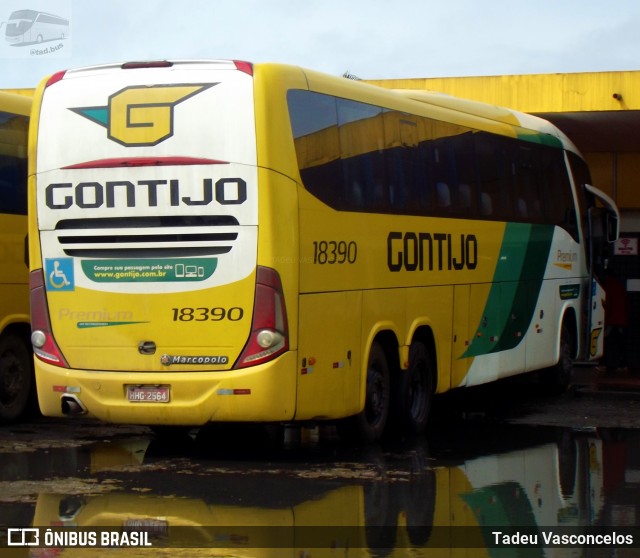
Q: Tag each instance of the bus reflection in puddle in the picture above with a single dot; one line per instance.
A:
(395, 506)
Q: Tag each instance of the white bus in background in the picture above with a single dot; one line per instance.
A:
(32, 26)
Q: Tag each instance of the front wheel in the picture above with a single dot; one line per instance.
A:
(557, 379)
(368, 426)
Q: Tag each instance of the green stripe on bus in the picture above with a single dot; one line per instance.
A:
(516, 285)
(527, 289)
(539, 138)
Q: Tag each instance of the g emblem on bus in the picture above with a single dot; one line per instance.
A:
(141, 115)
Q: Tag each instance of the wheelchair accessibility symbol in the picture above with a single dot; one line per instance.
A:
(59, 272)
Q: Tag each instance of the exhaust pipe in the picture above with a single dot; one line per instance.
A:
(72, 406)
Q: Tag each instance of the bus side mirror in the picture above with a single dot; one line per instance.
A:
(611, 213)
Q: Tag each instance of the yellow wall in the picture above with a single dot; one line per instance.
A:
(591, 91)
(628, 180)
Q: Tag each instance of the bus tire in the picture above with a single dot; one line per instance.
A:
(368, 425)
(414, 391)
(380, 518)
(15, 377)
(557, 378)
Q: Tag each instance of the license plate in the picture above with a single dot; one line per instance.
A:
(157, 527)
(148, 394)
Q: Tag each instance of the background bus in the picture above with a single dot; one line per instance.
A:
(16, 367)
(231, 242)
(32, 26)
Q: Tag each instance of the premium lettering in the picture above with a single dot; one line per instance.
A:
(419, 251)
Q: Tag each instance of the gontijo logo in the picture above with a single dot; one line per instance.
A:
(141, 115)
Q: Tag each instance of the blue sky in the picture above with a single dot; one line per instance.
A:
(369, 38)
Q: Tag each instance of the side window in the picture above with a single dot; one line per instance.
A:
(526, 180)
(581, 176)
(453, 170)
(361, 133)
(495, 201)
(359, 157)
(314, 123)
(465, 192)
(13, 163)
(558, 199)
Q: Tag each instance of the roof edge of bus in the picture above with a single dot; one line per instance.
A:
(489, 111)
(221, 63)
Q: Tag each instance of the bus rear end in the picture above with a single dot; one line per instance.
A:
(147, 302)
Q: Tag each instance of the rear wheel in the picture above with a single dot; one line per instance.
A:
(15, 377)
(414, 391)
(368, 425)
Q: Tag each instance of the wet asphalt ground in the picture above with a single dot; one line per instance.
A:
(582, 447)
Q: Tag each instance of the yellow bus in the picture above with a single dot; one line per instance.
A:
(218, 241)
(16, 361)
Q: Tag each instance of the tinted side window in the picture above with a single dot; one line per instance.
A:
(559, 208)
(314, 122)
(581, 176)
(495, 198)
(359, 157)
(450, 151)
(526, 182)
(361, 134)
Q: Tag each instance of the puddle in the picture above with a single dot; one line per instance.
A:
(453, 490)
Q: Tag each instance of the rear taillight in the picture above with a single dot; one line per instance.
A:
(246, 67)
(269, 332)
(55, 78)
(44, 345)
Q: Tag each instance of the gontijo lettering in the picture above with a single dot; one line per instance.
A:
(417, 251)
(123, 193)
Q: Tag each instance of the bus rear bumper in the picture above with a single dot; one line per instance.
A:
(264, 393)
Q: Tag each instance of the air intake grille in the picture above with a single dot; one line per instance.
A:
(149, 237)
